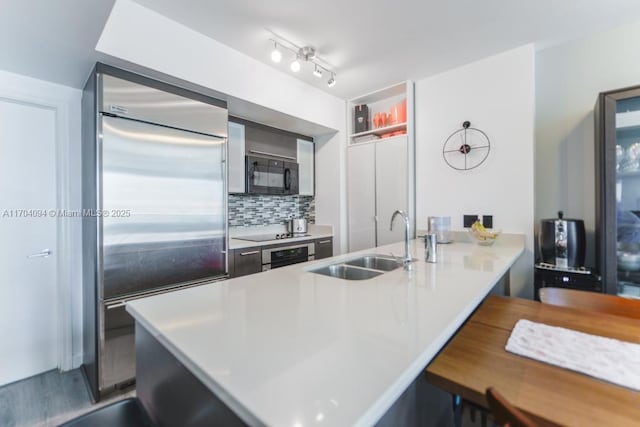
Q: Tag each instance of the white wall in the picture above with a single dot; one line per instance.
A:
(496, 95)
(66, 103)
(568, 80)
(143, 37)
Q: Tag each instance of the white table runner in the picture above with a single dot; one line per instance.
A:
(605, 358)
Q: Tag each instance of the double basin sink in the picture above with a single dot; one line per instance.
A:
(365, 267)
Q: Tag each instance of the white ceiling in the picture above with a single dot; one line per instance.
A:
(373, 44)
(370, 44)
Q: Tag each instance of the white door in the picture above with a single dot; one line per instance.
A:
(362, 196)
(28, 302)
(391, 188)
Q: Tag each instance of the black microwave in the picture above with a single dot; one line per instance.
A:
(271, 176)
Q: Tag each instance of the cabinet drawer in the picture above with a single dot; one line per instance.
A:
(324, 248)
(247, 261)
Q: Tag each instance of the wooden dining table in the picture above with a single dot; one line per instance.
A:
(475, 358)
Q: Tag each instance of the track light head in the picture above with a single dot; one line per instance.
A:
(276, 55)
(332, 80)
(295, 65)
(317, 71)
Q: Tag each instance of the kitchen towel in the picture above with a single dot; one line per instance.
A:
(605, 358)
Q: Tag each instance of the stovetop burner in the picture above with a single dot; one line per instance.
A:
(270, 236)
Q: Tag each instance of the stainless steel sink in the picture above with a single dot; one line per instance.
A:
(376, 262)
(342, 271)
(365, 267)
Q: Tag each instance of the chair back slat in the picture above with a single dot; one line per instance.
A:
(504, 413)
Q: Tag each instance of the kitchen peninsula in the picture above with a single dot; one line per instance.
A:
(289, 347)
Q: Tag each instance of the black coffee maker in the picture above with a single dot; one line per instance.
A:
(562, 242)
(562, 245)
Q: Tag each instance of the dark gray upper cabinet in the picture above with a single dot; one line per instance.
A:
(263, 141)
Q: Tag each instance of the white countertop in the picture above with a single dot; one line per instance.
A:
(292, 348)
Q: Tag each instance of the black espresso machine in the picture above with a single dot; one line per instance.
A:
(562, 243)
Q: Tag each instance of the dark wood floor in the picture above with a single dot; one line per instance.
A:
(48, 399)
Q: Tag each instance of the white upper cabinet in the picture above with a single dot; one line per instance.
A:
(236, 163)
(306, 167)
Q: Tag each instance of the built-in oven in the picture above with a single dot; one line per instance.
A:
(271, 176)
(281, 256)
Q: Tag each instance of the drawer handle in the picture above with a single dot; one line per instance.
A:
(116, 305)
(249, 253)
(324, 241)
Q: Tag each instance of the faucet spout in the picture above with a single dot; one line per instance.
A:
(405, 217)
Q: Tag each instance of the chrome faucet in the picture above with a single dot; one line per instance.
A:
(407, 256)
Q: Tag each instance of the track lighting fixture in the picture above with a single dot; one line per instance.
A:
(332, 80)
(276, 55)
(306, 54)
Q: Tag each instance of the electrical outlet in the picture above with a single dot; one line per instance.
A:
(468, 220)
(487, 221)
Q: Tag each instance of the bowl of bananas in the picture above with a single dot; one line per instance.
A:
(483, 236)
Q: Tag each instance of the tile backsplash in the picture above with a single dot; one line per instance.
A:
(247, 210)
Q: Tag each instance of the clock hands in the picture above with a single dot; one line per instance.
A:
(469, 147)
(475, 151)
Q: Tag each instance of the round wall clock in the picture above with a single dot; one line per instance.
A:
(467, 148)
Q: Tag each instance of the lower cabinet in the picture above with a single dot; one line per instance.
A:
(324, 248)
(249, 260)
(245, 261)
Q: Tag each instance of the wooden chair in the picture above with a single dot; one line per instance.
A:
(592, 301)
(505, 414)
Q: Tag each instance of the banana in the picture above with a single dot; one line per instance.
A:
(482, 233)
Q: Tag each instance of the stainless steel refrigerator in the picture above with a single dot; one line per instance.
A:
(154, 207)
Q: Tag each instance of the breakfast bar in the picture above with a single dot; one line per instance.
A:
(290, 347)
